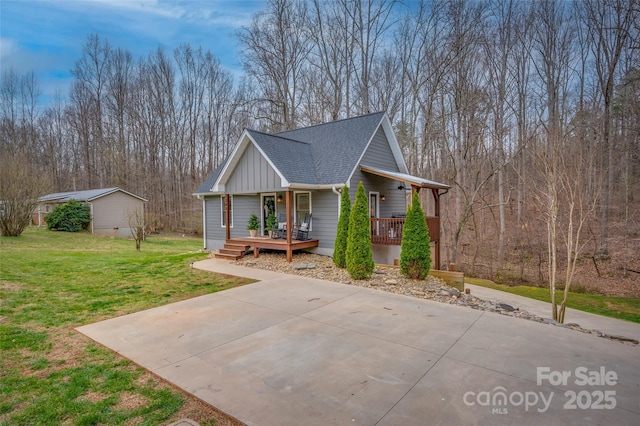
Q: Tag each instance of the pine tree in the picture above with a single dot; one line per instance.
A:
(342, 233)
(415, 253)
(359, 255)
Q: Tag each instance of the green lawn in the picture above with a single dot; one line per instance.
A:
(51, 282)
(626, 308)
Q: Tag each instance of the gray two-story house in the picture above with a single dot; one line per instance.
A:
(299, 174)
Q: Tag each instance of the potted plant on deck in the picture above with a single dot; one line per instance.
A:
(253, 225)
(272, 224)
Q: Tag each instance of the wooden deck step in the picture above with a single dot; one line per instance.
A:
(226, 256)
(232, 251)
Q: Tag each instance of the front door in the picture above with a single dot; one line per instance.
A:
(268, 208)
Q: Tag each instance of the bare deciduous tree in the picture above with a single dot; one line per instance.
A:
(137, 226)
(20, 188)
(276, 46)
(610, 24)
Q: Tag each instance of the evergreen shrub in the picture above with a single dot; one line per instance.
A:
(342, 233)
(73, 216)
(359, 254)
(415, 252)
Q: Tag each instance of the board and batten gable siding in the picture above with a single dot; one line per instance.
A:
(379, 155)
(253, 174)
(111, 214)
(243, 206)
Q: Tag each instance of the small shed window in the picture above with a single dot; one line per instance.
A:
(223, 211)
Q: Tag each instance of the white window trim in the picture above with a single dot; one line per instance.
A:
(222, 199)
(295, 207)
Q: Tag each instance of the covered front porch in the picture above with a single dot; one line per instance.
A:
(235, 247)
(388, 230)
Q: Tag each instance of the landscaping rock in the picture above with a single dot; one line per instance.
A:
(391, 282)
(506, 307)
(453, 291)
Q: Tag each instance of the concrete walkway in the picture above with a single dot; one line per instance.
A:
(290, 350)
(585, 320)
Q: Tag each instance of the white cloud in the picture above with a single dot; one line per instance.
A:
(7, 47)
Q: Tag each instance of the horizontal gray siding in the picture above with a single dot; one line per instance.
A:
(243, 206)
(213, 234)
(325, 217)
(253, 174)
(379, 155)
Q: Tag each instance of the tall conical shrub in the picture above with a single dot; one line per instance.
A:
(359, 254)
(415, 254)
(342, 233)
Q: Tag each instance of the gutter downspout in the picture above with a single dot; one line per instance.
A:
(335, 191)
(204, 222)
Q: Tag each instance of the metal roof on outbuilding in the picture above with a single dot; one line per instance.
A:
(88, 195)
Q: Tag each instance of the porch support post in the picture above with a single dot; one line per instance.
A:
(289, 227)
(227, 202)
(436, 197)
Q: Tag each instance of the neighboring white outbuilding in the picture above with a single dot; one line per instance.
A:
(112, 209)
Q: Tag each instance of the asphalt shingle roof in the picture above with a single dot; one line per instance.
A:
(336, 146)
(316, 155)
(210, 180)
(294, 159)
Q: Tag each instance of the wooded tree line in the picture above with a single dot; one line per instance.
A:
(529, 110)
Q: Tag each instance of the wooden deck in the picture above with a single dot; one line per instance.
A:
(388, 231)
(258, 243)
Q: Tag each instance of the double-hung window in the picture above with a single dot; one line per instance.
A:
(302, 205)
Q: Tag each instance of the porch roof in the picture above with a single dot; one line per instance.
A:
(403, 177)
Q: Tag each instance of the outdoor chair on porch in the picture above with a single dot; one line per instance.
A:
(302, 231)
(281, 232)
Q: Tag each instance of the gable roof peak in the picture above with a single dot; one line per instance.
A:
(276, 135)
(329, 123)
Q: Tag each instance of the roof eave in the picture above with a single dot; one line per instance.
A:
(404, 177)
(315, 185)
(116, 190)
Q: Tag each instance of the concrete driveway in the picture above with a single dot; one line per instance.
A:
(295, 351)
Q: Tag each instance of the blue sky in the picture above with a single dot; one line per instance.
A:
(47, 36)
